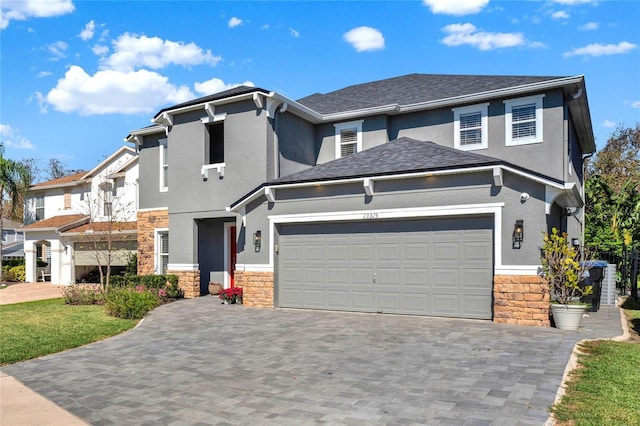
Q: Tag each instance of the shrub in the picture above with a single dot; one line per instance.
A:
(14, 274)
(130, 302)
(77, 294)
(168, 283)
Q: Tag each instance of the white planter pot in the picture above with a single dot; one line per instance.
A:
(567, 317)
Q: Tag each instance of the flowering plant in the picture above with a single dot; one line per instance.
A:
(231, 295)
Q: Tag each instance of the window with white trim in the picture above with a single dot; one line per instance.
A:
(107, 189)
(523, 120)
(470, 127)
(214, 145)
(348, 138)
(162, 251)
(39, 207)
(164, 166)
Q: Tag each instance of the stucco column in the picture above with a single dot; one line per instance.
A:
(30, 262)
(57, 250)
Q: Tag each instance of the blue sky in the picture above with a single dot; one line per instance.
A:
(78, 76)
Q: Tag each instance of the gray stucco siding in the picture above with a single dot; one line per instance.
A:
(149, 192)
(374, 133)
(435, 191)
(296, 143)
(245, 158)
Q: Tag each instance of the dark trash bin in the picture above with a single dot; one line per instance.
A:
(594, 279)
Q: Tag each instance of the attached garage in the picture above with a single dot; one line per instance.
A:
(431, 266)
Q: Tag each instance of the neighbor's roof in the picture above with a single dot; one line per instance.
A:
(76, 177)
(412, 89)
(10, 224)
(55, 222)
(403, 155)
(102, 227)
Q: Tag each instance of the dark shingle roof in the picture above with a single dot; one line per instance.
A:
(403, 155)
(240, 90)
(411, 89)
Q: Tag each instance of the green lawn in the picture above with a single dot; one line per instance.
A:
(604, 388)
(32, 329)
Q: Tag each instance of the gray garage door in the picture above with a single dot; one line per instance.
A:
(440, 267)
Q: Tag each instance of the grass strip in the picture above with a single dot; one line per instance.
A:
(33, 329)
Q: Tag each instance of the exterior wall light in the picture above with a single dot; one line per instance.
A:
(257, 240)
(575, 242)
(518, 234)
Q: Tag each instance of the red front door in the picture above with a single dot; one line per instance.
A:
(232, 254)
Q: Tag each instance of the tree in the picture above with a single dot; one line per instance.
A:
(14, 181)
(619, 160)
(107, 233)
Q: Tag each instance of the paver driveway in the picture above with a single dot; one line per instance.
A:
(200, 362)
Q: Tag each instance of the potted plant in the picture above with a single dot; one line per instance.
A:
(215, 288)
(232, 295)
(562, 272)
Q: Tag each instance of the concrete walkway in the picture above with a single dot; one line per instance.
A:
(199, 362)
(28, 292)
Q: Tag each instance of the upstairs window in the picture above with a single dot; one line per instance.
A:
(523, 120)
(470, 127)
(348, 138)
(107, 190)
(39, 207)
(164, 166)
(214, 146)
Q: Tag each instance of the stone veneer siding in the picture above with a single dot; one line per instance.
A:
(148, 222)
(189, 282)
(520, 300)
(257, 288)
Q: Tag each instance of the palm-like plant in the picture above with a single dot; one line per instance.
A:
(14, 181)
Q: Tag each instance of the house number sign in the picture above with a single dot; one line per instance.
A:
(370, 216)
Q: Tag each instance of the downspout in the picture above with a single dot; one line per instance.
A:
(276, 145)
(584, 195)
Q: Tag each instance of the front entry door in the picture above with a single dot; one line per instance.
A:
(232, 255)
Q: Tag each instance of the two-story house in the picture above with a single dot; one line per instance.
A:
(79, 222)
(421, 194)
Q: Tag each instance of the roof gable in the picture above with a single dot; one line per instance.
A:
(64, 180)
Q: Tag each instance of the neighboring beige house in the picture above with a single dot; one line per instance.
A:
(65, 217)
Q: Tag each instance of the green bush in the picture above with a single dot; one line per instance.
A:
(168, 283)
(83, 294)
(129, 302)
(13, 274)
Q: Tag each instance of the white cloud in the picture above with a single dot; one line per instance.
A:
(597, 49)
(216, 85)
(11, 137)
(131, 52)
(20, 10)
(234, 22)
(636, 104)
(609, 124)
(294, 33)
(44, 74)
(265, 27)
(100, 49)
(58, 50)
(561, 14)
(365, 39)
(589, 26)
(88, 31)
(459, 34)
(455, 7)
(114, 92)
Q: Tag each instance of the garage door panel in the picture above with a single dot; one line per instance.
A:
(432, 266)
(362, 301)
(313, 276)
(445, 278)
(337, 275)
(314, 298)
(446, 304)
(445, 251)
